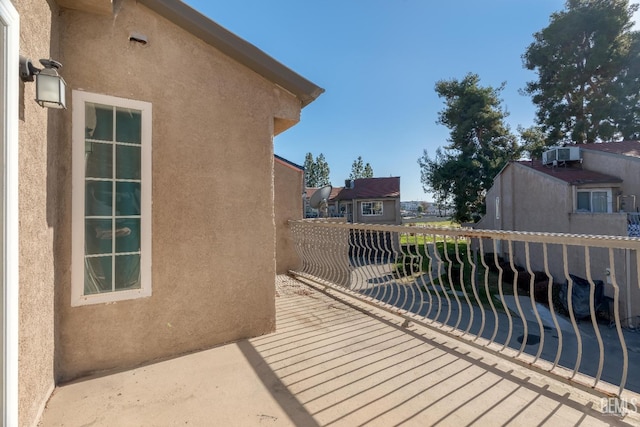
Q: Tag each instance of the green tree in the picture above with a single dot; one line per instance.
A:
(588, 73)
(533, 142)
(479, 146)
(368, 171)
(309, 171)
(357, 169)
(360, 170)
(316, 172)
(322, 171)
(435, 177)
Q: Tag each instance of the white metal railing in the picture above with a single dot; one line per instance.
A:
(564, 304)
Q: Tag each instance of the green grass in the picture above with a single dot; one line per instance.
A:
(414, 262)
(414, 253)
(440, 222)
(410, 238)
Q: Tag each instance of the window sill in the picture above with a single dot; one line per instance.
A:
(110, 297)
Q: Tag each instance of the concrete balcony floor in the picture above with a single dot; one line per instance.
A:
(329, 364)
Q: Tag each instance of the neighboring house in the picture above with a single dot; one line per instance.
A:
(370, 201)
(579, 189)
(363, 200)
(126, 236)
(288, 186)
(596, 193)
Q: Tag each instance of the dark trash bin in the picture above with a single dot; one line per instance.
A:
(580, 296)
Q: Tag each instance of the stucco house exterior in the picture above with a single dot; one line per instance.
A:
(590, 189)
(288, 183)
(371, 201)
(366, 200)
(124, 219)
(591, 195)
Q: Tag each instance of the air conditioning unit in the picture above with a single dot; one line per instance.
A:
(549, 157)
(561, 155)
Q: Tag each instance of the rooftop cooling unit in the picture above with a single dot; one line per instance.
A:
(561, 155)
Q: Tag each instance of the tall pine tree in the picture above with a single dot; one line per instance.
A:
(588, 65)
(480, 144)
(360, 170)
(316, 171)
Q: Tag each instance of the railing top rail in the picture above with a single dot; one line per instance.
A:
(598, 241)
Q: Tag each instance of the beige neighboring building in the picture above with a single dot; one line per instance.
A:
(288, 179)
(371, 200)
(364, 201)
(579, 189)
(127, 237)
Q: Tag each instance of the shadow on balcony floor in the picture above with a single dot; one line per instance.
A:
(329, 364)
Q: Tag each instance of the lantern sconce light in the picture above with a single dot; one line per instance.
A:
(50, 86)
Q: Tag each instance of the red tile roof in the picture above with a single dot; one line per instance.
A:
(364, 188)
(574, 175)
(372, 188)
(625, 148)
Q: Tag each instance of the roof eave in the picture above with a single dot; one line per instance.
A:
(596, 182)
(288, 162)
(540, 173)
(235, 47)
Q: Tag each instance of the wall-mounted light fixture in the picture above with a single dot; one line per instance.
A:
(50, 86)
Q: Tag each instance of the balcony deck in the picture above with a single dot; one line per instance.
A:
(330, 363)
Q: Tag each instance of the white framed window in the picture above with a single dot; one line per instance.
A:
(111, 208)
(371, 208)
(594, 200)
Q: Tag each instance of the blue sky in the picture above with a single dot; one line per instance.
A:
(379, 61)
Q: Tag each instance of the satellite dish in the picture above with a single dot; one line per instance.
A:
(319, 200)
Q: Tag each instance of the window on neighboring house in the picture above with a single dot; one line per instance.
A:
(371, 208)
(111, 199)
(594, 201)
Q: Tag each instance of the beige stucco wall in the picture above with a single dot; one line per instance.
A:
(623, 167)
(288, 186)
(526, 194)
(626, 168)
(40, 212)
(213, 257)
(531, 201)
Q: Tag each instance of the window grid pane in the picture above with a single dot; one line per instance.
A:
(599, 201)
(583, 201)
(112, 199)
(371, 208)
(98, 275)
